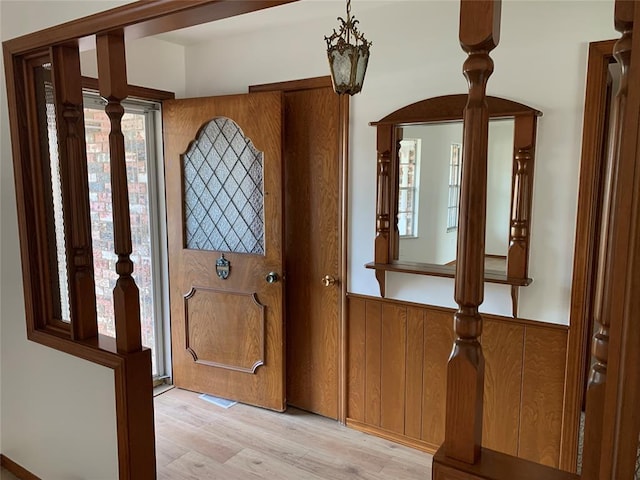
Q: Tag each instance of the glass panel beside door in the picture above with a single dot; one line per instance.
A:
(137, 124)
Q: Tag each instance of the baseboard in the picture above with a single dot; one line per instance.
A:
(19, 471)
(392, 436)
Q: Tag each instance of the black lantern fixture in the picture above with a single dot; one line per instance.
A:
(348, 61)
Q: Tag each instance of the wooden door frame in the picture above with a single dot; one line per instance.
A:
(343, 157)
(599, 58)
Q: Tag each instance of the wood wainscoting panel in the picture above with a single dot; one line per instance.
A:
(502, 345)
(414, 373)
(356, 358)
(397, 376)
(373, 357)
(393, 367)
(543, 379)
(438, 339)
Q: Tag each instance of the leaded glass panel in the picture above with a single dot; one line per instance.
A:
(223, 190)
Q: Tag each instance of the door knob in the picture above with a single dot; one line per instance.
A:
(272, 277)
(328, 280)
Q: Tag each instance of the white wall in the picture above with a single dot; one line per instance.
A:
(57, 411)
(541, 61)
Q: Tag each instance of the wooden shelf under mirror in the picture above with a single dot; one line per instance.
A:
(419, 161)
(445, 271)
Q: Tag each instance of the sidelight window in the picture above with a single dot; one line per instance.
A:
(140, 132)
(139, 129)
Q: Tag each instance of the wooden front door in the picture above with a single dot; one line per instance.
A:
(223, 167)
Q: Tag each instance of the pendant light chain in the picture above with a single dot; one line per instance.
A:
(349, 24)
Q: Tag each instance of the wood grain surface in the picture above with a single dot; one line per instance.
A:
(438, 337)
(373, 359)
(524, 377)
(356, 364)
(198, 440)
(414, 373)
(502, 345)
(259, 115)
(312, 247)
(542, 395)
(393, 368)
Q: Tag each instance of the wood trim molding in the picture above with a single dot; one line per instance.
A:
(293, 85)
(138, 19)
(345, 102)
(16, 469)
(495, 466)
(67, 85)
(450, 107)
(144, 93)
(599, 58)
(433, 270)
(392, 436)
(488, 316)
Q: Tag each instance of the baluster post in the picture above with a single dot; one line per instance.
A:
(383, 216)
(524, 145)
(136, 449)
(621, 302)
(72, 153)
(596, 387)
(479, 34)
(394, 193)
(112, 81)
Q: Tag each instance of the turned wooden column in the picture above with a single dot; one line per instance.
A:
(383, 214)
(524, 150)
(479, 34)
(72, 153)
(522, 189)
(616, 344)
(112, 81)
(602, 309)
(135, 410)
(394, 193)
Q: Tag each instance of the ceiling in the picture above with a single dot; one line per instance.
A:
(274, 17)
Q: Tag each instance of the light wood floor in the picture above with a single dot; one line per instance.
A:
(197, 440)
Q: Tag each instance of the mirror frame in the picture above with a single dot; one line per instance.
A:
(449, 108)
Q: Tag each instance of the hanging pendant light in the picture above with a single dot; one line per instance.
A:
(348, 62)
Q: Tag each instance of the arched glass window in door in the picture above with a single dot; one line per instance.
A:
(223, 190)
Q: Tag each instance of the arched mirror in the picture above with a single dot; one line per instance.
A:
(419, 164)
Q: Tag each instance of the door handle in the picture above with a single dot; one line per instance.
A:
(328, 280)
(272, 277)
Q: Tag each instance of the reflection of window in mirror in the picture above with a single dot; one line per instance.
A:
(454, 186)
(409, 185)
